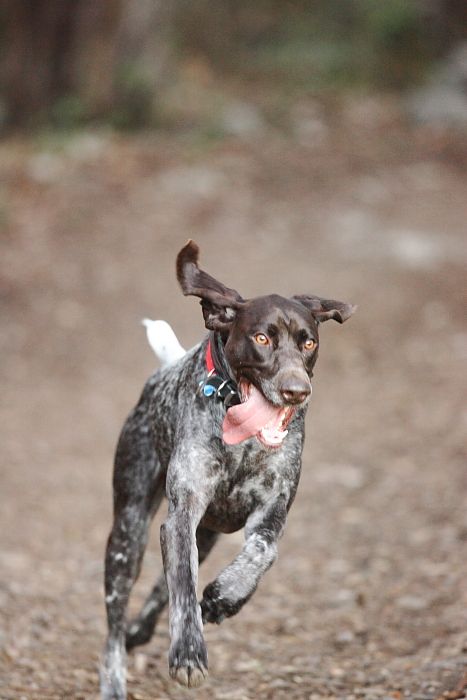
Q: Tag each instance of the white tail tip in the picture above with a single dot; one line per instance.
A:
(163, 341)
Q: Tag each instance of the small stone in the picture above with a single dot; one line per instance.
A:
(140, 663)
(248, 665)
(344, 597)
(242, 119)
(411, 602)
(344, 637)
(337, 672)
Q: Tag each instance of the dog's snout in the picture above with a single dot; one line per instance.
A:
(295, 391)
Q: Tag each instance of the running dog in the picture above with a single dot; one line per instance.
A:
(219, 432)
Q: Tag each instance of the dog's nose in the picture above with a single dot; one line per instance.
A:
(295, 391)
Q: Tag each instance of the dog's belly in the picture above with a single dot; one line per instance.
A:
(229, 515)
(218, 521)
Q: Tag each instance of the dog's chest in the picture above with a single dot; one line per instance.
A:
(241, 488)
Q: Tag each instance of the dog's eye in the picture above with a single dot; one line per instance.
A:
(309, 345)
(261, 339)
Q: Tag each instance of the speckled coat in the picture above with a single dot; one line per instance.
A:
(172, 445)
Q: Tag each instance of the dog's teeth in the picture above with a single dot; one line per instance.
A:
(273, 436)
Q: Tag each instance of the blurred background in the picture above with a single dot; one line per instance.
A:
(308, 147)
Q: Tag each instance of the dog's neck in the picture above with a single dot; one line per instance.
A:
(218, 360)
(219, 381)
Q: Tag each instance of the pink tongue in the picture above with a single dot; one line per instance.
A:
(247, 419)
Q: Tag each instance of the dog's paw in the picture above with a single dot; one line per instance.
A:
(188, 661)
(214, 608)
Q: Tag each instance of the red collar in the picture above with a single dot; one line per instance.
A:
(217, 383)
(209, 361)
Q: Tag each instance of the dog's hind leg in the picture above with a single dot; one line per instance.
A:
(141, 629)
(138, 484)
(124, 553)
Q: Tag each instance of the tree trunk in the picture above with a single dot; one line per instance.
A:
(78, 49)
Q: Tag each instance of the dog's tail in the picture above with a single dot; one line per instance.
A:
(163, 341)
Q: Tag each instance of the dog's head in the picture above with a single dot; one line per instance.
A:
(271, 343)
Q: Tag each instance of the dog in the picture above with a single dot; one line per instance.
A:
(219, 432)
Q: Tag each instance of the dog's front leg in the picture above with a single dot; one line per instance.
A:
(187, 655)
(237, 582)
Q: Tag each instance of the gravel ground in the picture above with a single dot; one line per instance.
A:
(368, 598)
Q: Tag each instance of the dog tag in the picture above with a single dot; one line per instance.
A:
(209, 390)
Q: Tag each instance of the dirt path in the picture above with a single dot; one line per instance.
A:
(368, 598)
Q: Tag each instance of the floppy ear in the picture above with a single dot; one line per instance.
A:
(324, 309)
(218, 301)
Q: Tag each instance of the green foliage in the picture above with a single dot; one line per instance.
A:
(282, 46)
(395, 41)
(390, 23)
(4, 215)
(305, 64)
(135, 97)
(131, 109)
(325, 44)
(68, 112)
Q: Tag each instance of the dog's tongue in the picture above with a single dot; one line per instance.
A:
(246, 419)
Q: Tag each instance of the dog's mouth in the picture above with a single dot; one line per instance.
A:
(256, 417)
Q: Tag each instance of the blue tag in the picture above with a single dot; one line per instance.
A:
(208, 390)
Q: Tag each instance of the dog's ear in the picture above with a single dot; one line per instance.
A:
(219, 303)
(325, 309)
